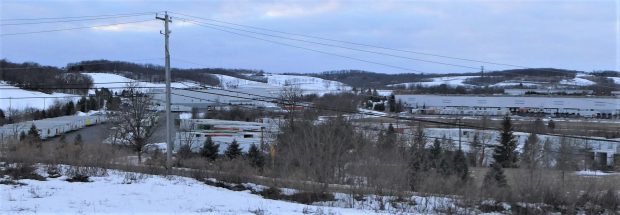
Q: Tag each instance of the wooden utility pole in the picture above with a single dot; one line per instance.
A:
(169, 142)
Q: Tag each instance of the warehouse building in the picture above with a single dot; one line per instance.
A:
(50, 127)
(591, 107)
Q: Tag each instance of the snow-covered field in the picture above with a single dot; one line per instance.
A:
(149, 194)
(452, 81)
(15, 98)
(117, 82)
(577, 82)
(275, 82)
(616, 79)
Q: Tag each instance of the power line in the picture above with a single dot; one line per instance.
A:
(305, 48)
(76, 17)
(332, 45)
(73, 20)
(76, 28)
(355, 43)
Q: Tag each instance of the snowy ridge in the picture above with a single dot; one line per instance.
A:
(118, 82)
(275, 82)
(578, 82)
(452, 81)
(13, 98)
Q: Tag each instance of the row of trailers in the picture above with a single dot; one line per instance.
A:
(50, 127)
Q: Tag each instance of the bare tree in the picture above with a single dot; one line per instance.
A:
(291, 97)
(136, 119)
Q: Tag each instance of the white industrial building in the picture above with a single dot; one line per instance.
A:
(598, 107)
(195, 132)
(50, 127)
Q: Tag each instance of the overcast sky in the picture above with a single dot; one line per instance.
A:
(580, 35)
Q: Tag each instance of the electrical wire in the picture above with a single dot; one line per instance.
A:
(72, 20)
(75, 28)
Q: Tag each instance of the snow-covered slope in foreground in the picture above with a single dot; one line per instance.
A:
(151, 195)
(16, 98)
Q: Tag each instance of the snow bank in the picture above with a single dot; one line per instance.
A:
(148, 194)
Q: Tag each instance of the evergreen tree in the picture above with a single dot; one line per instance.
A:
(22, 135)
(233, 150)
(257, 159)
(506, 153)
(33, 132)
(435, 150)
(551, 125)
(2, 117)
(461, 169)
(209, 149)
(495, 177)
(69, 108)
(392, 103)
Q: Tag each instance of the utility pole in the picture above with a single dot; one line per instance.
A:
(166, 34)
(459, 121)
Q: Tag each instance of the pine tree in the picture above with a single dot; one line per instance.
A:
(233, 150)
(461, 169)
(257, 159)
(551, 125)
(22, 135)
(209, 149)
(392, 103)
(506, 153)
(435, 150)
(2, 117)
(33, 132)
(495, 177)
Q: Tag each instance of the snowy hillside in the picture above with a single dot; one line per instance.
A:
(117, 82)
(578, 82)
(452, 81)
(616, 79)
(148, 194)
(15, 98)
(307, 84)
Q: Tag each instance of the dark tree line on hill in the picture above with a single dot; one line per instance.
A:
(48, 79)
(359, 78)
(155, 73)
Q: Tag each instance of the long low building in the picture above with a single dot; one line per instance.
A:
(601, 107)
(50, 127)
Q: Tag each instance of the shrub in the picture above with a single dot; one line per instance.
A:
(22, 171)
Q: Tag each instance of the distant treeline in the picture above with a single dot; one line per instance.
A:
(360, 78)
(33, 76)
(155, 73)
